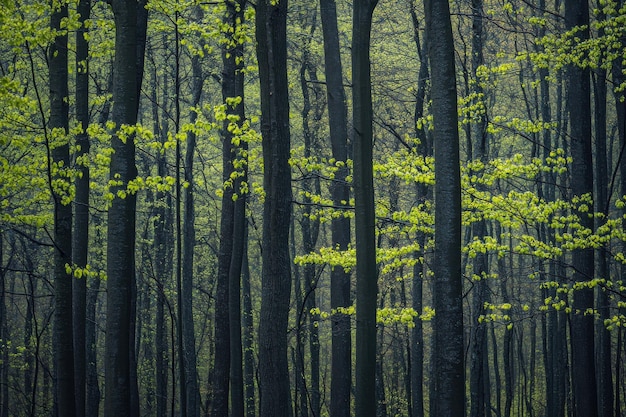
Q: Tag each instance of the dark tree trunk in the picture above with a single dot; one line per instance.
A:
(449, 373)
(301, 404)
(4, 335)
(119, 353)
(63, 345)
(248, 330)
(233, 87)
(341, 362)
(92, 389)
(312, 111)
(579, 107)
(479, 376)
(142, 27)
(271, 22)
(221, 370)
(29, 358)
(189, 240)
(366, 271)
(424, 193)
(80, 244)
(163, 249)
(603, 336)
(620, 111)
(507, 348)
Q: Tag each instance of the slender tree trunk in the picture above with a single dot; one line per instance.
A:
(221, 380)
(301, 408)
(183, 356)
(448, 324)
(341, 362)
(603, 336)
(620, 111)
(80, 244)
(507, 354)
(4, 334)
(479, 375)
(271, 23)
(248, 329)
(92, 390)
(366, 271)
(121, 223)
(579, 107)
(59, 147)
(189, 240)
(312, 110)
(424, 193)
(163, 249)
(29, 358)
(234, 87)
(141, 36)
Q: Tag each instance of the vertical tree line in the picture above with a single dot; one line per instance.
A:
(451, 250)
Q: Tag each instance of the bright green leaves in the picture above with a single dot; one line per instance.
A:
(86, 272)
(385, 316)
(556, 51)
(240, 133)
(333, 257)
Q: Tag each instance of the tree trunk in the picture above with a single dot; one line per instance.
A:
(448, 324)
(312, 110)
(603, 304)
(80, 244)
(121, 218)
(271, 22)
(221, 380)
(579, 106)
(341, 362)
(301, 408)
(4, 335)
(507, 347)
(366, 271)
(233, 86)
(92, 389)
(163, 249)
(189, 240)
(479, 376)
(59, 147)
(248, 329)
(620, 111)
(424, 194)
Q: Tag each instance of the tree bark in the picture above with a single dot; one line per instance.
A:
(4, 334)
(448, 323)
(80, 244)
(163, 249)
(366, 271)
(579, 107)
(479, 376)
(121, 218)
(424, 193)
(189, 232)
(233, 87)
(276, 273)
(59, 147)
(341, 362)
(248, 330)
(603, 305)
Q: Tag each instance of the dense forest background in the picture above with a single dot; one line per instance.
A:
(204, 212)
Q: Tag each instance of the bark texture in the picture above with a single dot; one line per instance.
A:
(271, 24)
(366, 271)
(449, 368)
(63, 345)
